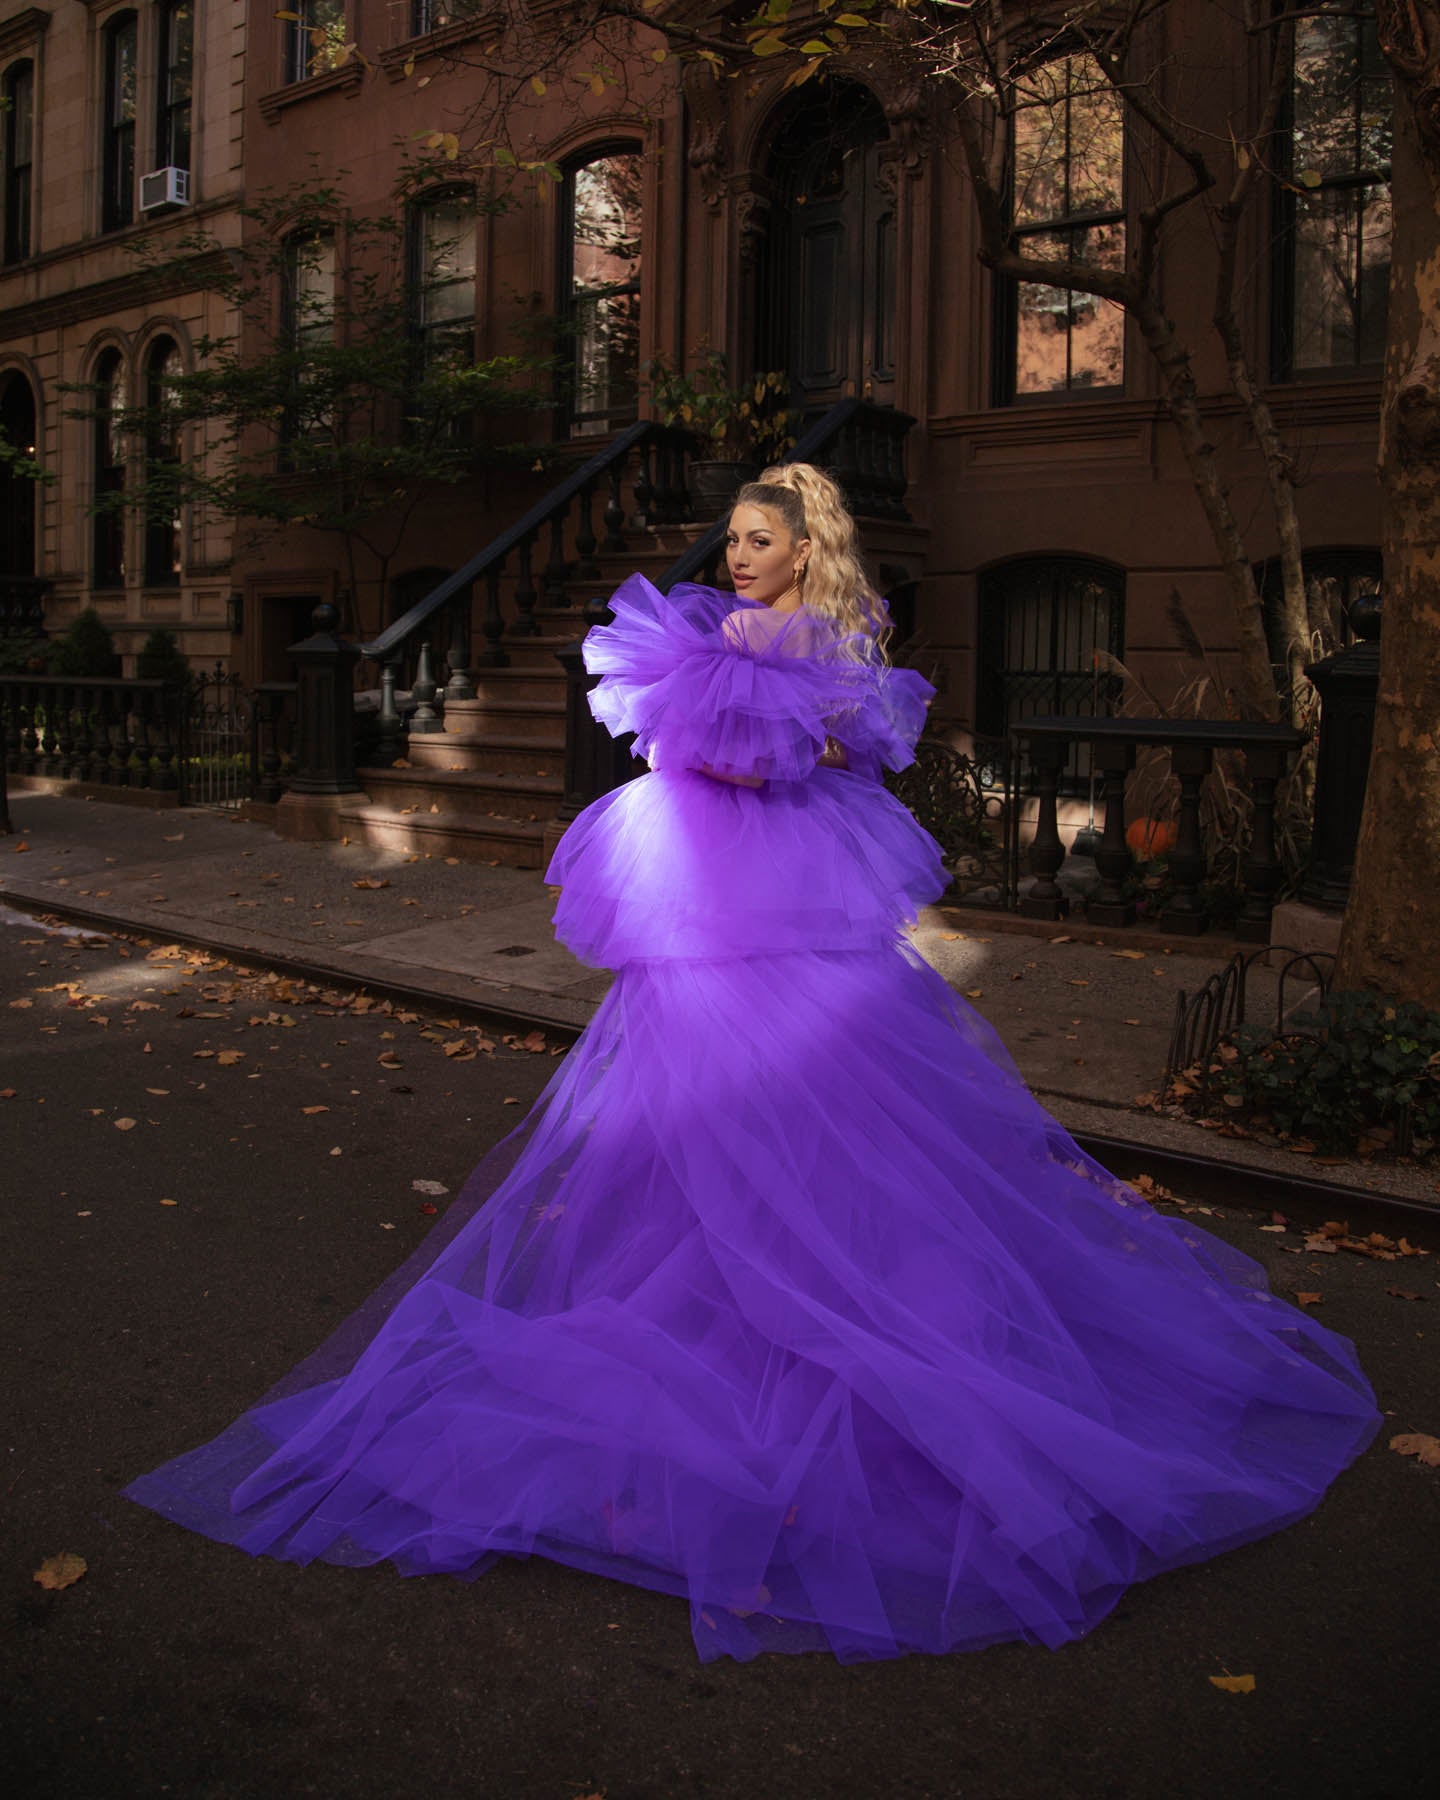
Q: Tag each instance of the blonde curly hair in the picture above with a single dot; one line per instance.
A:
(835, 586)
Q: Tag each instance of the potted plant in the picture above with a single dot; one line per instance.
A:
(736, 430)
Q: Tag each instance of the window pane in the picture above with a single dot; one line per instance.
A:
(447, 250)
(1067, 340)
(317, 42)
(1039, 147)
(1342, 276)
(605, 289)
(607, 223)
(312, 291)
(1097, 144)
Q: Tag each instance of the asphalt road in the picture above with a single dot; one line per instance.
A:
(132, 1328)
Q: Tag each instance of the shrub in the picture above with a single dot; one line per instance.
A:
(1360, 1072)
(19, 650)
(87, 648)
(161, 658)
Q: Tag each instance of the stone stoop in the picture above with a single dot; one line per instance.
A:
(486, 787)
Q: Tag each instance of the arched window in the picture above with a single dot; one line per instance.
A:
(600, 262)
(173, 89)
(117, 149)
(17, 93)
(1067, 178)
(1332, 273)
(108, 543)
(162, 466)
(1042, 621)
(17, 489)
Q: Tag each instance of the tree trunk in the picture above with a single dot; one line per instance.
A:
(1255, 686)
(1390, 940)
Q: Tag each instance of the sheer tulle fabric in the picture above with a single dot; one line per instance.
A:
(789, 1299)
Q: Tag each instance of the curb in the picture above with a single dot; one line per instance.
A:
(1206, 1177)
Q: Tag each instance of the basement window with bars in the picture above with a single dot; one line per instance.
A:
(1043, 623)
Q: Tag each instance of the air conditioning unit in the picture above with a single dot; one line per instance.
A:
(164, 188)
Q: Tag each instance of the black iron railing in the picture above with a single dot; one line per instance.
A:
(1191, 745)
(103, 730)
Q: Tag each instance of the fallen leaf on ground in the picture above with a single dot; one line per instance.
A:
(169, 1202)
(974, 993)
(20, 1005)
(1419, 1444)
(61, 1571)
(509, 1100)
(370, 881)
(1309, 1299)
(1234, 1684)
(228, 1058)
(310, 1111)
(425, 1186)
(1130, 955)
(1405, 1294)
(19, 849)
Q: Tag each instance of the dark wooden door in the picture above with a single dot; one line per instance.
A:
(828, 307)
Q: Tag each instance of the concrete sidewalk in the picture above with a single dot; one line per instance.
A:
(1087, 1016)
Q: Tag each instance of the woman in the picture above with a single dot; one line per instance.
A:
(788, 1297)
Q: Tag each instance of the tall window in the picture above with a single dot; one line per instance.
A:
(1067, 156)
(117, 206)
(314, 38)
(1334, 235)
(108, 546)
(601, 259)
(162, 466)
(18, 93)
(1042, 620)
(173, 91)
(308, 324)
(443, 292)
(430, 15)
(17, 491)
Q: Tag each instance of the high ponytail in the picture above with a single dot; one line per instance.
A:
(835, 586)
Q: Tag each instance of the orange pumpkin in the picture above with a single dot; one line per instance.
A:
(1150, 838)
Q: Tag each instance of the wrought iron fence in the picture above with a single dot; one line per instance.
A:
(1217, 1010)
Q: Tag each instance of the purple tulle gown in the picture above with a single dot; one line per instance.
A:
(788, 1297)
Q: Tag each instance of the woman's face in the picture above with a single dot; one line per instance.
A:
(761, 554)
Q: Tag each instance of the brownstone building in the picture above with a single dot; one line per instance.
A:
(121, 126)
(828, 230)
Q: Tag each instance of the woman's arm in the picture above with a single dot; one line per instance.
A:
(750, 781)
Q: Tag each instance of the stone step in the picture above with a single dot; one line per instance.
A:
(518, 844)
(488, 750)
(517, 683)
(466, 793)
(533, 721)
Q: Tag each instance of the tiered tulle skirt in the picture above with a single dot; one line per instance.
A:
(790, 1300)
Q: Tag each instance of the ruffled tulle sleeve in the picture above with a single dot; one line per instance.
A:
(881, 732)
(700, 690)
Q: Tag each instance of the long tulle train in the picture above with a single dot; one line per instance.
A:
(789, 1298)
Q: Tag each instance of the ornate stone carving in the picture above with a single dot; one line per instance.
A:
(752, 217)
(708, 150)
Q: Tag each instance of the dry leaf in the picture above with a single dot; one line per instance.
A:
(125, 1124)
(21, 1005)
(228, 1058)
(974, 993)
(370, 881)
(1309, 1299)
(310, 1111)
(61, 1571)
(1233, 1684)
(169, 1202)
(424, 1186)
(1420, 1445)
(1131, 955)
(509, 1100)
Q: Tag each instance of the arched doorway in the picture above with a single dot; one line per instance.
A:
(17, 490)
(826, 313)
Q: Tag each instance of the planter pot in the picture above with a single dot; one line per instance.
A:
(714, 485)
